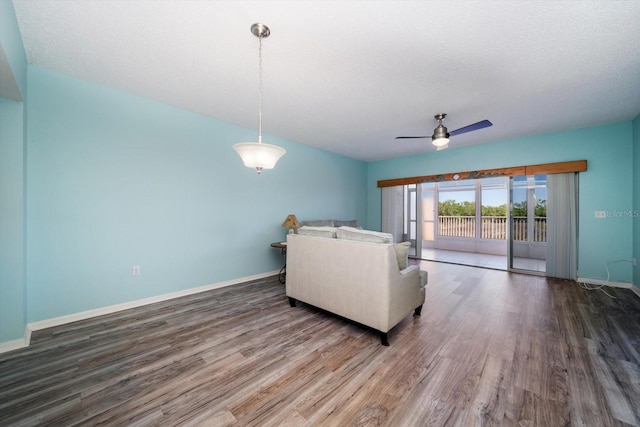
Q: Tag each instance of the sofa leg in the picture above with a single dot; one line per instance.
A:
(384, 338)
(417, 311)
(292, 302)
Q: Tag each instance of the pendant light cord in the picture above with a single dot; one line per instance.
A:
(260, 90)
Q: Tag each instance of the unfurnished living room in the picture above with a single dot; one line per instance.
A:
(319, 213)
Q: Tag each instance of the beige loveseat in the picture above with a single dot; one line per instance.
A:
(358, 280)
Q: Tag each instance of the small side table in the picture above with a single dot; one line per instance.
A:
(282, 276)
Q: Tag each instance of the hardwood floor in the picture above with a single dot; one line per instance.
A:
(491, 348)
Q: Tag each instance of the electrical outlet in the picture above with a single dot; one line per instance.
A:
(135, 270)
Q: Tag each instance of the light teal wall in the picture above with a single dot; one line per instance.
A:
(12, 181)
(115, 180)
(606, 185)
(636, 200)
(12, 230)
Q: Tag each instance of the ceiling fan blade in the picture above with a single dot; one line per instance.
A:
(476, 126)
(411, 137)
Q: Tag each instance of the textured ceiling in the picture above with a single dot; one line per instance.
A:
(349, 76)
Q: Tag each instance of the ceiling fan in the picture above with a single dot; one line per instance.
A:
(440, 137)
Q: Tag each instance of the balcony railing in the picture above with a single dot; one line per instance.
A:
(492, 227)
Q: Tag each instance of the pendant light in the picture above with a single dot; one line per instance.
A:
(256, 154)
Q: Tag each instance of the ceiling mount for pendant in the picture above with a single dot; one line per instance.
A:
(260, 30)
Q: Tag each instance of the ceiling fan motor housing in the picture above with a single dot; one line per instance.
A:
(440, 132)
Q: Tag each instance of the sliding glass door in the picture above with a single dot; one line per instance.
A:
(462, 216)
(411, 215)
(428, 215)
(507, 220)
(528, 223)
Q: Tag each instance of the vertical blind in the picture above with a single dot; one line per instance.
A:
(392, 210)
(562, 202)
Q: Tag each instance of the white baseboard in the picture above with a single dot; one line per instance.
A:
(83, 315)
(636, 290)
(12, 345)
(600, 282)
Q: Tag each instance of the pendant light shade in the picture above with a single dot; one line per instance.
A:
(256, 154)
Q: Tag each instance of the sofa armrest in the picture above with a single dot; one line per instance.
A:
(406, 293)
(423, 274)
(424, 278)
(409, 269)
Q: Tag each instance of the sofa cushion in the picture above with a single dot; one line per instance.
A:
(402, 254)
(329, 232)
(352, 223)
(351, 233)
(319, 223)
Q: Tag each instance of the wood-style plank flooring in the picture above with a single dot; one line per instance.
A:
(491, 348)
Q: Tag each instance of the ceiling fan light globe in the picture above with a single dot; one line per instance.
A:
(439, 141)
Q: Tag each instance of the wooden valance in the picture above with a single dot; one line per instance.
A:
(548, 168)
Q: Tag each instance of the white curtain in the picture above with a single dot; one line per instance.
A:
(392, 210)
(562, 201)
